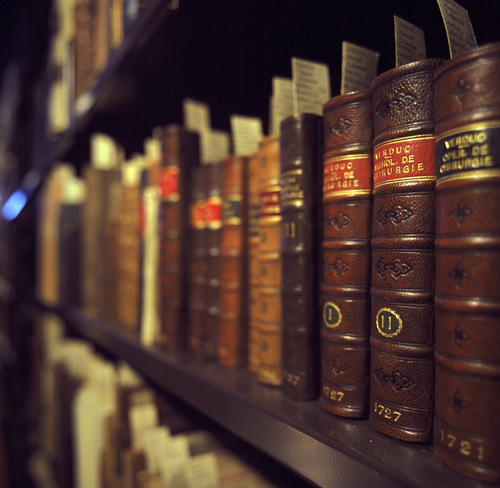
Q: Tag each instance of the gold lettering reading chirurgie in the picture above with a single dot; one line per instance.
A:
(466, 151)
(385, 163)
(339, 176)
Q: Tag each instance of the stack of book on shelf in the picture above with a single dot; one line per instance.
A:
(101, 425)
(350, 257)
(87, 32)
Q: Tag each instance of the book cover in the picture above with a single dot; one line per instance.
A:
(253, 263)
(180, 153)
(467, 393)
(270, 263)
(197, 269)
(129, 247)
(402, 278)
(346, 254)
(94, 266)
(213, 243)
(233, 312)
(301, 149)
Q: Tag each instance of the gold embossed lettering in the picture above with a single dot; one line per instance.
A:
(465, 448)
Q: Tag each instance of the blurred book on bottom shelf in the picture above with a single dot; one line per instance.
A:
(102, 425)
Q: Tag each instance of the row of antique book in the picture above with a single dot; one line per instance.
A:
(354, 257)
(102, 425)
(86, 33)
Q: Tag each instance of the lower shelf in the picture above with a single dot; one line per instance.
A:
(325, 450)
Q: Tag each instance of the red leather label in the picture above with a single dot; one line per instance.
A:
(169, 182)
(198, 215)
(213, 212)
(347, 175)
(270, 204)
(402, 159)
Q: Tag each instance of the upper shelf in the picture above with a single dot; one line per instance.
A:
(325, 450)
(225, 54)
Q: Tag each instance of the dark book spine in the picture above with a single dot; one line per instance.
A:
(180, 153)
(301, 147)
(253, 263)
(467, 393)
(233, 314)
(346, 258)
(402, 280)
(70, 241)
(197, 261)
(213, 240)
(96, 279)
(270, 322)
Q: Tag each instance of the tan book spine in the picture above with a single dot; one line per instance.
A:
(253, 263)
(269, 299)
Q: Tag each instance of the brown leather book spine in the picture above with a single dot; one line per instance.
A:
(129, 272)
(82, 46)
(180, 153)
(95, 276)
(197, 261)
(269, 297)
(467, 394)
(253, 263)
(112, 227)
(213, 240)
(346, 258)
(233, 314)
(402, 280)
(301, 148)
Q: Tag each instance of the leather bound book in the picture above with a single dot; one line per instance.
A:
(233, 314)
(253, 262)
(70, 240)
(94, 266)
(112, 228)
(269, 296)
(467, 393)
(403, 230)
(129, 270)
(301, 148)
(213, 231)
(346, 258)
(197, 262)
(180, 153)
(82, 47)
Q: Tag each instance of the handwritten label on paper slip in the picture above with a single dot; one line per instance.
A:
(459, 30)
(202, 471)
(174, 461)
(310, 86)
(281, 103)
(103, 151)
(141, 417)
(247, 133)
(359, 68)
(196, 115)
(214, 145)
(410, 42)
